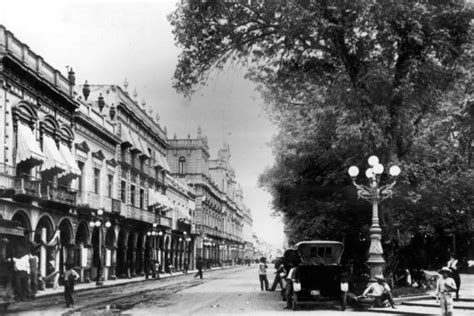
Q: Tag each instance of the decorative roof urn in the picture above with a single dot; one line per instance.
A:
(86, 90)
(112, 112)
(71, 76)
(100, 102)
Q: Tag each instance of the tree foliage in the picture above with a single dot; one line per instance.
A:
(342, 80)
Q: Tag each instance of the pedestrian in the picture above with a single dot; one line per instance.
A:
(289, 278)
(33, 261)
(22, 272)
(454, 266)
(156, 268)
(70, 277)
(445, 286)
(148, 266)
(185, 267)
(279, 274)
(380, 291)
(199, 268)
(262, 274)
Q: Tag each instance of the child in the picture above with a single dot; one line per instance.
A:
(69, 277)
(444, 289)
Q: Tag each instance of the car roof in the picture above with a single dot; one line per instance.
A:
(319, 242)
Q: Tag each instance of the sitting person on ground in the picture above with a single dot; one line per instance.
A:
(380, 291)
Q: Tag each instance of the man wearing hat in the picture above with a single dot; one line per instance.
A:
(380, 290)
(444, 289)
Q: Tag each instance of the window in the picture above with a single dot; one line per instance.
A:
(132, 159)
(123, 191)
(80, 179)
(96, 181)
(181, 165)
(142, 165)
(142, 198)
(110, 182)
(132, 194)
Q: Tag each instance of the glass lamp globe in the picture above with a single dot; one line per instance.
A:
(108, 224)
(369, 173)
(378, 168)
(373, 160)
(180, 239)
(160, 233)
(97, 223)
(91, 224)
(148, 233)
(394, 171)
(155, 224)
(353, 171)
(100, 212)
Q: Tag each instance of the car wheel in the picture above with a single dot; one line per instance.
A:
(294, 302)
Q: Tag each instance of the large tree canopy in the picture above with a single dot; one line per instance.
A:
(342, 80)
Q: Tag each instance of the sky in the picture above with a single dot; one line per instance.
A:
(107, 41)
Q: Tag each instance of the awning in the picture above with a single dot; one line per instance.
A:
(125, 136)
(162, 162)
(28, 148)
(136, 142)
(144, 149)
(72, 170)
(183, 214)
(156, 197)
(54, 162)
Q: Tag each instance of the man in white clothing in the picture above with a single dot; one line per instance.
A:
(380, 291)
(444, 289)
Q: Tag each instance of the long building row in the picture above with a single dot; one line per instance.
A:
(94, 179)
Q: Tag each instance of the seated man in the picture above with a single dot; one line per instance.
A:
(380, 291)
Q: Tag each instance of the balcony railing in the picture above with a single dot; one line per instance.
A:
(140, 214)
(27, 185)
(59, 193)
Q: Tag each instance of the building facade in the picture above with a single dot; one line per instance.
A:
(92, 177)
(220, 211)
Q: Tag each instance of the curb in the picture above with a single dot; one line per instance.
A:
(137, 280)
(412, 298)
(437, 305)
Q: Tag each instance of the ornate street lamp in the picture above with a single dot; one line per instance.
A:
(98, 221)
(375, 193)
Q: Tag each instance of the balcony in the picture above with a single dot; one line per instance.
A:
(59, 194)
(27, 186)
(163, 220)
(116, 206)
(140, 214)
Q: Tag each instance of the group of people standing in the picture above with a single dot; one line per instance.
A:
(26, 278)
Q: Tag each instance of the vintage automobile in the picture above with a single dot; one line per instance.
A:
(319, 277)
(12, 242)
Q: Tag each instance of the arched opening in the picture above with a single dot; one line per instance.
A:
(47, 259)
(167, 258)
(140, 254)
(81, 247)
(97, 256)
(131, 251)
(121, 266)
(110, 253)
(24, 221)
(65, 251)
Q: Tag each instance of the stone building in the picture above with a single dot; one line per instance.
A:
(219, 213)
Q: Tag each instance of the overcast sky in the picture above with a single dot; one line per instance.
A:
(108, 41)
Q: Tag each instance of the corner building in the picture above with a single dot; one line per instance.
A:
(220, 211)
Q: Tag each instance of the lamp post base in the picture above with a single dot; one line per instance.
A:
(375, 261)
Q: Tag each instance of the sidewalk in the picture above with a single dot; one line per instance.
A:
(112, 283)
(427, 305)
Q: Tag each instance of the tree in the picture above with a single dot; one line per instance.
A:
(343, 80)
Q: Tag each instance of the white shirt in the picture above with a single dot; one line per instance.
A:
(453, 264)
(443, 286)
(262, 268)
(377, 289)
(22, 264)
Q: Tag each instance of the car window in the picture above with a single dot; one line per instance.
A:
(328, 252)
(321, 252)
(313, 251)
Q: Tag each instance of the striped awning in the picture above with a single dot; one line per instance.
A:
(162, 162)
(28, 148)
(125, 136)
(54, 161)
(72, 170)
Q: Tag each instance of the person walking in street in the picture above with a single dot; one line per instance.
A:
(33, 261)
(70, 276)
(453, 265)
(185, 267)
(444, 289)
(156, 268)
(22, 272)
(199, 268)
(380, 291)
(262, 274)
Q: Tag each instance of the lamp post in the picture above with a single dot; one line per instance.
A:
(97, 222)
(375, 193)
